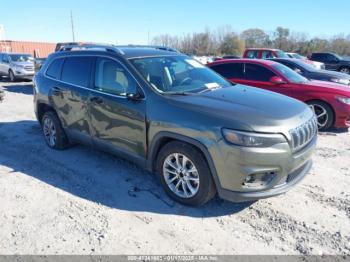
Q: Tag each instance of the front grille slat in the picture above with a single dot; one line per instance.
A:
(302, 135)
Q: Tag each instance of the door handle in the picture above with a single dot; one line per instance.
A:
(96, 100)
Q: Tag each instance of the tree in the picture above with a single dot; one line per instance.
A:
(281, 37)
(255, 37)
(232, 45)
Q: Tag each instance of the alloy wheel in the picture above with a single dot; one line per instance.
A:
(345, 70)
(321, 115)
(181, 175)
(49, 132)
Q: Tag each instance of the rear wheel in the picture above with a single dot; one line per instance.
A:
(184, 174)
(54, 134)
(324, 114)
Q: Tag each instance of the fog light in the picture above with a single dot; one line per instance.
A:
(259, 180)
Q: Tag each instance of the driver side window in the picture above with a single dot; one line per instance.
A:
(112, 78)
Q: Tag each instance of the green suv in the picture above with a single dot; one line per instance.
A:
(158, 108)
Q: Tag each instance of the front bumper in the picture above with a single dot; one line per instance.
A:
(23, 74)
(234, 164)
(342, 115)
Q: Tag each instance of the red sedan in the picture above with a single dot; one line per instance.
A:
(330, 101)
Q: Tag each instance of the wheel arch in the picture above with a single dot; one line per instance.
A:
(325, 102)
(162, 138)
(42, 108)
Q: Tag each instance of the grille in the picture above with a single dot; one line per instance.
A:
(302, 135)
(29, 68)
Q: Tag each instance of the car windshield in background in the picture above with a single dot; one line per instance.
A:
(288, 73)
(178, 74)
(305, 66)
(21, 58)
(297, 56)
(282, 54)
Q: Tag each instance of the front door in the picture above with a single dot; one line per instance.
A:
(260, 76)
(118, 124)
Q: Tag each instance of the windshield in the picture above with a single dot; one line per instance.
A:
(297, 56)
(178, 74)
(305, 66)
(21, 58)
(281, 54)
(288, 73)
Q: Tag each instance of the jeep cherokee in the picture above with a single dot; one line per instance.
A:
(171, 115)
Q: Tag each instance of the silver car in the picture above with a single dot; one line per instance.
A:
(16, 66)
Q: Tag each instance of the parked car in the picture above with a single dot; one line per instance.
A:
(38, 62)
(330, 101)
(16, 66)
(317, 65)
(332, 62)
(313, 74)
(263, 53)
(177, 118)
(230, 57)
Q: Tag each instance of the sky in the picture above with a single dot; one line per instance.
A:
(136, 21)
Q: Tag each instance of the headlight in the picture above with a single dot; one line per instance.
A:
(249, 139)
(341, 81)
(18, 66)
(345, 100)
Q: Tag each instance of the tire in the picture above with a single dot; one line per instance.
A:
(53, 132)
(12, 76)
(345, 70)
(324, 113)
(189, 191)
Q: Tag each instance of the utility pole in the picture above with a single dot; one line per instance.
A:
(72, 23)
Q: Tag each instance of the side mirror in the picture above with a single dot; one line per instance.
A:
(277, 80)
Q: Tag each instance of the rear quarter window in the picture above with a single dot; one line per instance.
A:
(54, 69)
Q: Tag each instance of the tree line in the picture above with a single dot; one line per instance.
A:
(225, 41)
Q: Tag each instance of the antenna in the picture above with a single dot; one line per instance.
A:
(72, 23)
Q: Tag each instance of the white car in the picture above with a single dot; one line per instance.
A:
(317, 65)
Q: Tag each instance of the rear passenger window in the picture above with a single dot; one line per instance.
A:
(54, 69)
(229, 70)
(76, 71)
(252, 54)
(258, 73)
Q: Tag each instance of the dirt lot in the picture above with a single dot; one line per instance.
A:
(82, 201)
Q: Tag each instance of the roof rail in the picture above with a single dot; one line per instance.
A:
(108, 48)
(165, 48)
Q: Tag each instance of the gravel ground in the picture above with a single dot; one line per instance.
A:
(82, 201)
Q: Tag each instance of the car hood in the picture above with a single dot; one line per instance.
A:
(23, 63)
(332, 74)
(250, 108)
(330, 86)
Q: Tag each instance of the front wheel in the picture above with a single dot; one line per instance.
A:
(184, 174)
(345, 70)
(324, 114)
(12, 76)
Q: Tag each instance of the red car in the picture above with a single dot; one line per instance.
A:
(268, 53)
(330, 101)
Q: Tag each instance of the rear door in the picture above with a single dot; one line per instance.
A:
(118, 124)
(260, 76)
(69, 95)
(231, 71)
